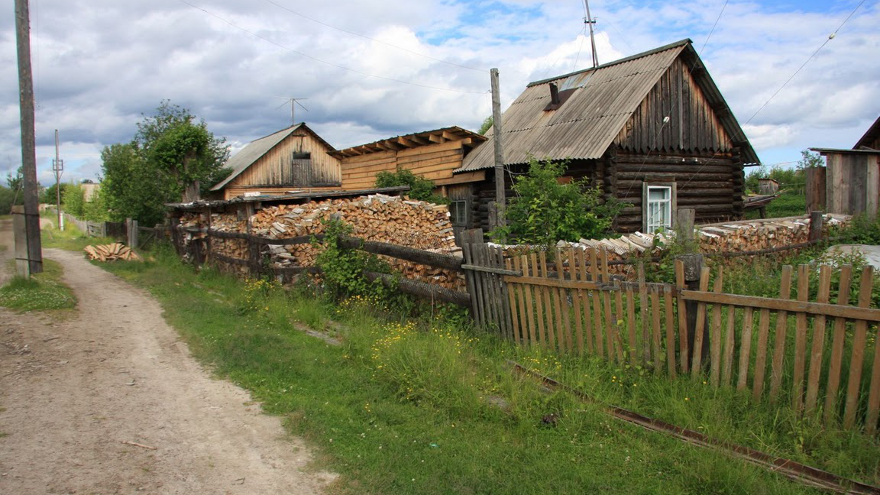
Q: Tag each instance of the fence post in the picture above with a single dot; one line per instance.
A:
(815, 226)
(469, 239)
(693, 266)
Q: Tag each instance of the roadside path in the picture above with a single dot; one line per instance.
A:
(110, 401)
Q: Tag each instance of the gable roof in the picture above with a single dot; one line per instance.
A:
(255, 150)
(601, 102)
(870, 137)
(413, 140)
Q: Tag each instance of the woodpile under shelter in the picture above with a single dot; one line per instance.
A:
(850, 181)
(652, 130)
(295, 158)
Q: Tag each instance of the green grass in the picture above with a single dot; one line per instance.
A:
(42, 291)
(788, 204)
(71, 238)
(411, 406)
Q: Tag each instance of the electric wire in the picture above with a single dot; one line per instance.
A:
(353, 33)
(714, 26)
(325, 62)
(829, 38)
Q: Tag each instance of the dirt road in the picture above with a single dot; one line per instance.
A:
(110, 401)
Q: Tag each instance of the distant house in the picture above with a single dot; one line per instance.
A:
(652, 130)
(295, 158)
(768, 186)
(433, 155)
(850, 181)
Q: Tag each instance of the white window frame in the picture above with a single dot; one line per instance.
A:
(667, 207)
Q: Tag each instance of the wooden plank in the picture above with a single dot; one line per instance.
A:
(597, 304)
(858, 350)
(800, 341)
(576, 302)
(701, 326)
(777, 369)
(745, 348)
(469, 277)
(643, 301)
(874, 390)
(670, 332)
(683, 351)
(502, 296)
(585, 302)
(529, 305)
(631, 325)
(761, 356)
(831, 390)
(609, 315)
(729, 343)
(655, 320)
(618, 324)
(814, 308)
(512, 293)
(715, 337)
(818, 341)
(548, 303)
(562, 313)
(539, 300)
(555, 282)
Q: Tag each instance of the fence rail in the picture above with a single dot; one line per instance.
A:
(819, 353)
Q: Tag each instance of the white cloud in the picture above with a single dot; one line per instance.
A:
(100, 64)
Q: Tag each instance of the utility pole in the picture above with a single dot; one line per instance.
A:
(58, 168)
(590, 21)
(500, 199)
(293, 102)
(28, 145)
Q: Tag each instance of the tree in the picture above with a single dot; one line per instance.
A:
(6, 199)
(543, 210)
(172, 158)
(810, 159)
(487, 124)
(49, 196)
(74, 200)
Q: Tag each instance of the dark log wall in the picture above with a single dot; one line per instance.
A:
(710, 184)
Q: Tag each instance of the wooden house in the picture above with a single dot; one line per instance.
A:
(651, 130)
(850, 179)
(295, 158)
(433, 155)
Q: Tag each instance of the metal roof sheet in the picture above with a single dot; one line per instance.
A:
(589, 121)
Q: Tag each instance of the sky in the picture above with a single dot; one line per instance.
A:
(364, 71)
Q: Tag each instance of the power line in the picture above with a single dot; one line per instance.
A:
(331, 64)
(374, 39)
(830, 37)
(714, 26)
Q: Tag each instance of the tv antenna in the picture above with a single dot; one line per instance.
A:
(293, 103)
(588, 20)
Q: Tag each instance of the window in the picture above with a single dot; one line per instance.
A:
(658, 206)
(458, 213)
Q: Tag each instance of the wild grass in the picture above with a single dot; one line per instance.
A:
(787, 204)
(70, 239)
(42, 291)
(430, 405)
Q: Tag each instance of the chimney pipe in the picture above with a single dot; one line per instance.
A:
(554, 94)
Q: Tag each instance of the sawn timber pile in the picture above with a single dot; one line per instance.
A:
(110, 252)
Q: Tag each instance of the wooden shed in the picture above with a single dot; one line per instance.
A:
(433, 155)
(851, 177)
(652, 130)
(295, 158)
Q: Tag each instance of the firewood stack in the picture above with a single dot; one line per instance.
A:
(379, 218)
(111, 252)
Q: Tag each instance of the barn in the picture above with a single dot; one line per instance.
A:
(295, 158)
(652, 130)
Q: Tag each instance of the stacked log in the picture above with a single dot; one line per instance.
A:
(111, 252)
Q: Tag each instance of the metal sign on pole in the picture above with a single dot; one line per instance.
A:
(58, 168)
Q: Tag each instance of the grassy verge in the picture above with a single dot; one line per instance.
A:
(788, 204)
(71, 238)
(430, 406)
(43, 291)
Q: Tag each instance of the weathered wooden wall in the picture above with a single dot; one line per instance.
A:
(693, 124)
(277, 171)
(435, 162)
(852, 183)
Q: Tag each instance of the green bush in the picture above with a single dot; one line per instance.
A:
(419, 188)
(343, 269)
(74, 200)
(543, 211)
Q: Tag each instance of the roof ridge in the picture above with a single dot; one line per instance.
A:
(630, 58)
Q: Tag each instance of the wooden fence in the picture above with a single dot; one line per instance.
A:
(820, 356)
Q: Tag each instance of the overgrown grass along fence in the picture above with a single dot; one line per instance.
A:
(815, 351)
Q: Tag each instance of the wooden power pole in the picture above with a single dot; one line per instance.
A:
(28, 145)
(500, 199)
